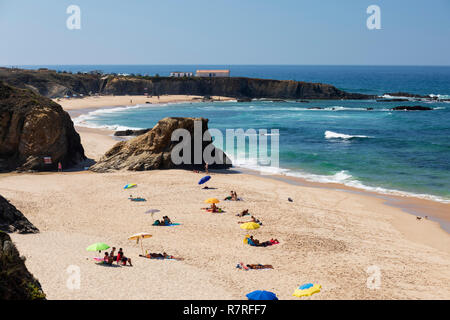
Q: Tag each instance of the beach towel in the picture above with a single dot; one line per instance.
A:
(166, 225)
(137, 199)
(159, 258)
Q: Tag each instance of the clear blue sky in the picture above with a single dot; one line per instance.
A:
(414, 32)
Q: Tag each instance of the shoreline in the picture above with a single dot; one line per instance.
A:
(436, 211)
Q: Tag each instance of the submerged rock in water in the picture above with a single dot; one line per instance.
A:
(33, 127)
(12, 220)
(153, 149)
(411, 108)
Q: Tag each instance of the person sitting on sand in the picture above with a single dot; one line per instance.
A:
(108, 259)
(166, 221)
(121, 257)
(230, 197)
(234, 196)
(243, 213)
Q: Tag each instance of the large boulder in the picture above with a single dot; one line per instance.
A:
(153, 149)
(16, 282)
(12, 220)
(33, 127)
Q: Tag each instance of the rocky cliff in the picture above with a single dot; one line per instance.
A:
(55, 84)
(12, 220)
(16, 282)
(153, 149)
(33, 127)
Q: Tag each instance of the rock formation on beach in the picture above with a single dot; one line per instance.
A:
(16, 282)
(33, 127)
(152, 150)
(12, 220)
(54, 84)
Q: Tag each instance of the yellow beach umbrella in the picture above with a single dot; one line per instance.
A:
(141, 236)
(307, 290)
(250, 226)
(212, 200)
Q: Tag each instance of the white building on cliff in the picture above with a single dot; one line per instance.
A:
(212, 73)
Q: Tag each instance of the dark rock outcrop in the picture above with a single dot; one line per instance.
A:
(405, 94)
(16, 282)
(153, 150)
(130, 132)
(55, 84)
(411, 108)
(12, 220)
(33, 127)
(244, 99)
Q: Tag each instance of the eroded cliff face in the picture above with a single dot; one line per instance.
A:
(52, 84)
(12, 220)
(16, 282)
(153, 149)
(33, 127)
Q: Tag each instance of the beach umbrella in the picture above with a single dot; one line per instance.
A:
(140, 236)
(306, 290)
(261, 295)
(204, 179)
(212, 200)
(130, 185)
(99, 246)
(250, 226)
(152, 211)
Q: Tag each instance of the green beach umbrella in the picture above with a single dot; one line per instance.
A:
(99, 246)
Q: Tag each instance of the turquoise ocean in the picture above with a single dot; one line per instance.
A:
(393, 152)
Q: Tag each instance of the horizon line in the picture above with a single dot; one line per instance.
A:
(194, 64)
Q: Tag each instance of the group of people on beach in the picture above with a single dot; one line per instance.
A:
(164, 222)
(109, 258)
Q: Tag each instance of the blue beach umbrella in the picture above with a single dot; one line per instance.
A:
(130, 185)
(261, 295)
(204, 179)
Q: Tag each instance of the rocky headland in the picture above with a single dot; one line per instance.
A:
(33, 127)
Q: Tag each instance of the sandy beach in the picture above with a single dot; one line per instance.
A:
(329, 237)
(115, 101)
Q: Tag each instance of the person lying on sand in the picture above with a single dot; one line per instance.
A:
(257, 243)
(243, 213)
(164, 222)
(160, 256)
(121, 257)
(253, 219)
(259, 266)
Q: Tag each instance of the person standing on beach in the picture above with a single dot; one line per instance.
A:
(59, 167)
